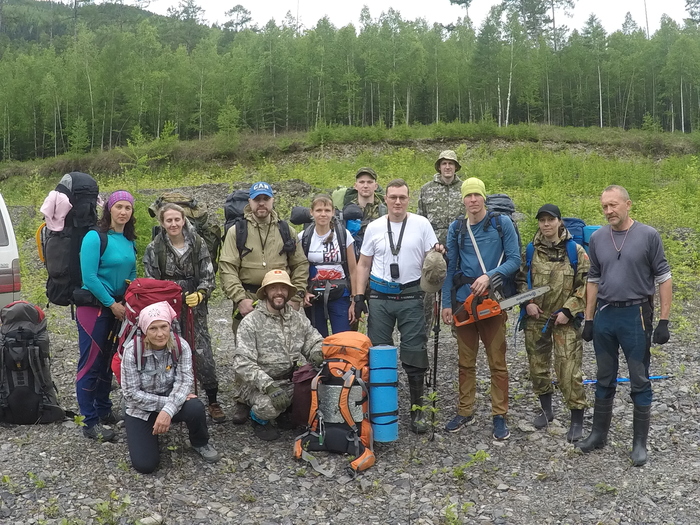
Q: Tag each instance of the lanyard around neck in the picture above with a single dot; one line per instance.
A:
(395, 249)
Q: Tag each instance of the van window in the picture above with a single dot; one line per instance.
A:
(4, 240)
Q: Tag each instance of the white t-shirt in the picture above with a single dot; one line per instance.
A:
(323, 254)
(418, 239)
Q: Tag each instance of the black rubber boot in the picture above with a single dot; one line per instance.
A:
(602, 415)
(546, 416)
(575, 432)
(419, 423)
(640, 428)
(240, 413)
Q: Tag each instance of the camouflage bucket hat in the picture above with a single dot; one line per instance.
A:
(433, 274)
(448, 154)
(276, 277)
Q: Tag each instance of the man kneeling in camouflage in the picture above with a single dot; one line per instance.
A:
(272, 341)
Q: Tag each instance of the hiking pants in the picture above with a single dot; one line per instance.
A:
(143, 445)
(492, 332)
(204, 365)
(94, 379)
(628, 327)
(565, 342)
(337, 313)
(260, 403)
(385, 313)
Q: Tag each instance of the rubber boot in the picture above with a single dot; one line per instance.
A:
(546, 416)
(640, 428)
(419, 424)
(575, 432)
(602, 415)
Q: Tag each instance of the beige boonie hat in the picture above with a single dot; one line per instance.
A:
(276, 277)
(433, 274)
(448, 154)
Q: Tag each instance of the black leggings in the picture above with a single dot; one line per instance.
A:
(143, 445)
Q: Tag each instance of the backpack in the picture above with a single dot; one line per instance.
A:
(234, 214)
(61, 249)
(579, 230)
(139, 294)
(28, 395)
(198, 216)
(339, 416)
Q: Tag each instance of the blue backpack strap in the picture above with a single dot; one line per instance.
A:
(572, 254)
(529, 253)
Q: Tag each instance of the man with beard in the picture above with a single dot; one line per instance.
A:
(273, 340)
(627, 263)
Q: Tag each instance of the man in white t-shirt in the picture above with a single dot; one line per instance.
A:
(391, 259)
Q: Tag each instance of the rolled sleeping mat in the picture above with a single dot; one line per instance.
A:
(384, 393)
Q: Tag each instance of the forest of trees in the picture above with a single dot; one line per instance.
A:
(83, 76)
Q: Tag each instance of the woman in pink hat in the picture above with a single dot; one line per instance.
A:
(157, 381)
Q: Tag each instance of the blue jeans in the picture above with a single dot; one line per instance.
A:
(628, 328)
(337, 313)
(94, 380)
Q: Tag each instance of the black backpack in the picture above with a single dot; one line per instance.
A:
(27, 392)
(62, 248)
(198, 216)
(234, 215)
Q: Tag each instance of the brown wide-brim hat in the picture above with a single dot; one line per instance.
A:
(448, 154)
(434, 271)
(276, 277)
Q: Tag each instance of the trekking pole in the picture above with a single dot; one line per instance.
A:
(436, 339)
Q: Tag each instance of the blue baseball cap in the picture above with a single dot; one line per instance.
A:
(260, 188)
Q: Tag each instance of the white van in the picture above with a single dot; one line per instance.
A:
(10, 284)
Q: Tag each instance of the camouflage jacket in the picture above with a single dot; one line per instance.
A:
(371, 211)
(250, 270)
(269, 346)
(180, 268)
(551, 266)
(441, 204)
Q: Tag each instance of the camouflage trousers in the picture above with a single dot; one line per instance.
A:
(566, 343)
(205, 368)
(260, 402)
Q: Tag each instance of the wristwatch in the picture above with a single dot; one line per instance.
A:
(358, 298)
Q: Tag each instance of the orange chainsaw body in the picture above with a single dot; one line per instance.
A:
(476, 308)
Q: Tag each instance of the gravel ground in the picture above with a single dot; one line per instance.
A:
(51, 474)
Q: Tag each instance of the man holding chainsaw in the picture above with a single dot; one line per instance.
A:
(552, 321)
(627, 263)
(482, 252)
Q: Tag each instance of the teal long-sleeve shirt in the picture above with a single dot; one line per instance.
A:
(106, 276)
(461, 255)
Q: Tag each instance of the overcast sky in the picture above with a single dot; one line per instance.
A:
(342, 12)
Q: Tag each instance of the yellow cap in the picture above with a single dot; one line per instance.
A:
(473, 185)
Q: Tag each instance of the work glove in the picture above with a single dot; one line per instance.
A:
(587, 334)
(279, 398)
(193, 299)
(316, 359)
(661, 334)
(360, 307)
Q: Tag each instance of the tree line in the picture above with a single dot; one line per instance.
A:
(83, 77)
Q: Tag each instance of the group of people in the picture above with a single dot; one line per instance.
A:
(286, 293)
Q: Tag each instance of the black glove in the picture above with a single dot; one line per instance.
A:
(587, 334)
(661, 334)
(360, 306)
(280, 399)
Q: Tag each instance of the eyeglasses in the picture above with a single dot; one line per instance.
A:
(400, 198)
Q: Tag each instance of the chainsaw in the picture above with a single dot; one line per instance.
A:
(479, 307)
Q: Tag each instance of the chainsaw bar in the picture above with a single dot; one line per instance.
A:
(520, 298)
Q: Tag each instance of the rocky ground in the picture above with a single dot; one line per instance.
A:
(51, 474)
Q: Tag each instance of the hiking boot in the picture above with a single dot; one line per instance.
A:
(500, 429)
(640, 428)
(99, 433)
(111, 418)
(458, 422)
(602, 415)
(419, 424)
(240, 413)
(575, 432)
(208, 453)
(546, 415)
(266, 432)
(285, 421)
(216, 413)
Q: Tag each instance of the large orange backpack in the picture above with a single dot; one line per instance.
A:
(339, 415)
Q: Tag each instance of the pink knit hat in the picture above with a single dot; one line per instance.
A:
(120, 195)
(161, 311)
